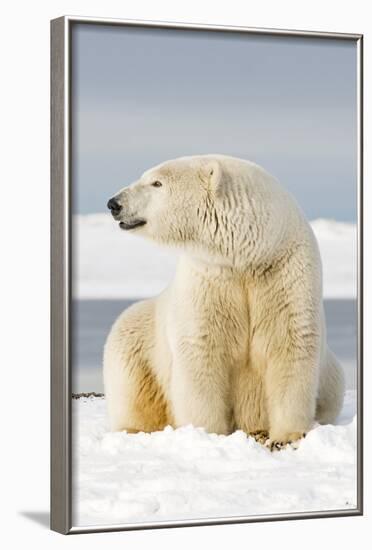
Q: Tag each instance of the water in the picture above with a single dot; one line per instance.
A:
(92, 320)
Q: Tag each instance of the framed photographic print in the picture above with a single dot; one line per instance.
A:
(206, 274)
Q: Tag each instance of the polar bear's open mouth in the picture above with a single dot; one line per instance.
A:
(131, 225)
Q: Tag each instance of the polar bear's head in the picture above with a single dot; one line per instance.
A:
(167, 201)
(204, 204)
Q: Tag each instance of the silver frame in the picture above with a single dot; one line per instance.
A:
(61, 485)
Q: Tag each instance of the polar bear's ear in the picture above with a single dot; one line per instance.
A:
(210, 174)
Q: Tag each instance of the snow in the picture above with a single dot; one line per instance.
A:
(338, 249)
(186, 473)
(110, 263)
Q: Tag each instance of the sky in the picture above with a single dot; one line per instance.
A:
(141, 96)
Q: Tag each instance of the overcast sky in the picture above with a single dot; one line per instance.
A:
(142, 96)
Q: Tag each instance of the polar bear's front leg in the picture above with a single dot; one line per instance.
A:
(289, 332)
(291, 390)
(291, 398)
(207, 328)
(200, 391)
(200, 382)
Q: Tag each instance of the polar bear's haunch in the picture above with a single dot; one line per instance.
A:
(238, 340)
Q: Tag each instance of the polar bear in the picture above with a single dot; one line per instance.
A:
(238, 340)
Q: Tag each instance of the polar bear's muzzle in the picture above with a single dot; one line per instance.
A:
(125, 206)
(116, 210)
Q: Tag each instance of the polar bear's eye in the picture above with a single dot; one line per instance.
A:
(157, 184)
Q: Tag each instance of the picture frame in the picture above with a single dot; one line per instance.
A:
(62, 272)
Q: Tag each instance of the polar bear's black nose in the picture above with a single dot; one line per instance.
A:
(114, 206)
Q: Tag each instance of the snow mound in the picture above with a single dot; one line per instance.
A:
(109, 263)
(186, 473)
(338, 248)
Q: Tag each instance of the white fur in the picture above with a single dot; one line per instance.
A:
(238, 340)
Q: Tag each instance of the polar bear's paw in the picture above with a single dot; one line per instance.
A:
(261, 436)
(292, 440)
